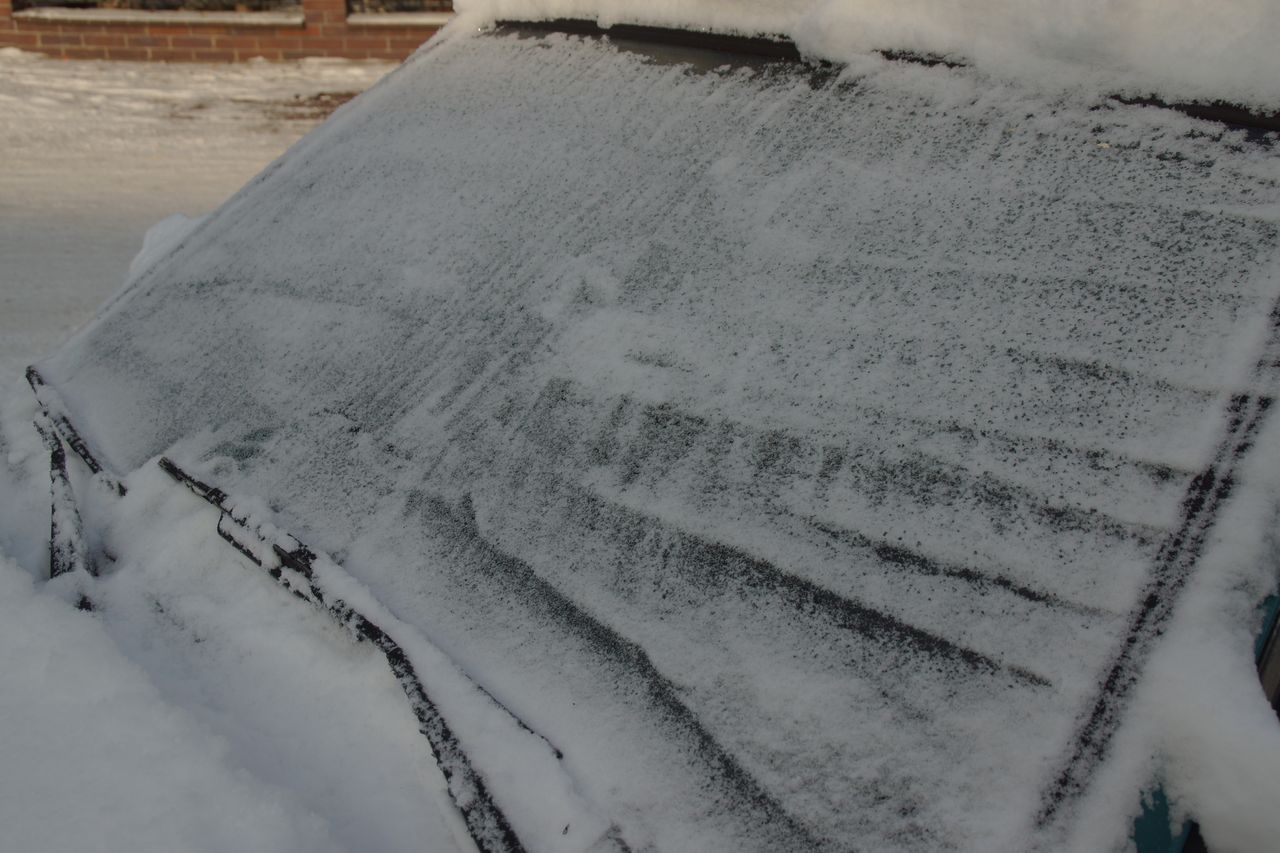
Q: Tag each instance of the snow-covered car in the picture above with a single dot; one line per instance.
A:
(721, 449)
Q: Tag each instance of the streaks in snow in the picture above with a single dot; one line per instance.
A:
(699, 562)
(486, 823)
(651, 442)
(804, 596)
(1174, 566)
(458, 527)
(928, 481)
(797, 479)
(907, 558)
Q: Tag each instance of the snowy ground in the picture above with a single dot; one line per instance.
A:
(97, 152)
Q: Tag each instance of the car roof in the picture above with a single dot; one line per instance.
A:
(815, 457)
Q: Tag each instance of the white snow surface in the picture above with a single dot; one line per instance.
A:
(120, 731)
(199, 709)
(69, 693)
(1176, 49)
(790, 450)
(194, 711)
(98, 152)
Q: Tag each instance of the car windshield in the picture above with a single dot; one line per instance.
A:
(812, 454)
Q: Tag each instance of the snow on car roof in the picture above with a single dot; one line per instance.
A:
(1204, 50)
(814, 458)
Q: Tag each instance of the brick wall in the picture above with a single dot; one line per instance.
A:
(323, 28)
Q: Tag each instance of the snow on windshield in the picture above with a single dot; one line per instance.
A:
(792, 448)
(1177, 49)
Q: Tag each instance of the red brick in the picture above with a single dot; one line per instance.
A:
(366, 42)
(168, 54)
(328, 34)
(323, 18)
(148, 41)
(60, 39)
(200, 42)
(83, 53)
(105, 40)
(231, 42)
(17, 39)
(280, 44)
(129, 54)
(69, 28)
(319, 46)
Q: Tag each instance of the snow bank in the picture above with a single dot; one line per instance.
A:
(95, 759)
(1176, 49)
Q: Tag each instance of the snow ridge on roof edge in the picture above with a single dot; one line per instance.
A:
(1176, 50)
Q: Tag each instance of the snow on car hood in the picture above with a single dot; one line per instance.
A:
(1177, 49)
(796, 449)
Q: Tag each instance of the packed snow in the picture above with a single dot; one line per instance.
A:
(749, 456)
(1177, 49)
